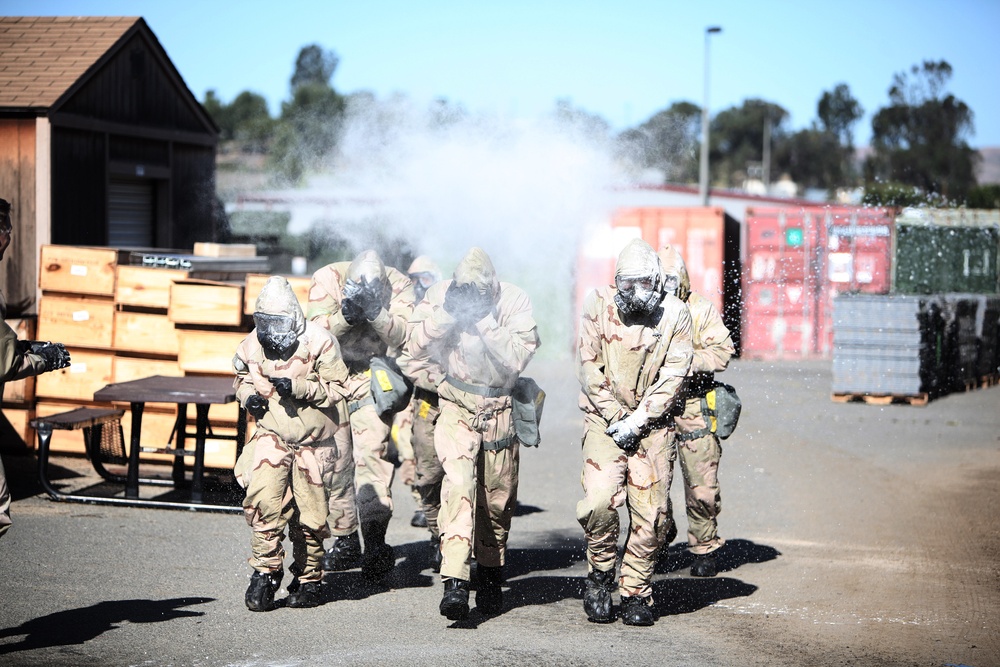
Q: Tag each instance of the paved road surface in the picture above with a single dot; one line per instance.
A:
(857, 535)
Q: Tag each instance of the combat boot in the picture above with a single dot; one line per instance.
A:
(637, 611)
(436, 556)
(305, 595)
(597, 597)
(419, 519)
(704, 566)
(260, 592)
(379, 559)
(343, 554)
(489, 595)
(455, 603)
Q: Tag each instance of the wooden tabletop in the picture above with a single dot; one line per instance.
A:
(164, 389)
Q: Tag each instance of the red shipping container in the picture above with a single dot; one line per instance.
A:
(707, 238)
(797, 262)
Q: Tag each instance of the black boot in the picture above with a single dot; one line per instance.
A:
(344, 554)
(379, 559)
(489, 595)
(260, 592)
(305, 595)
(436, 556)
(455, 603)
(597, 597)
(637, 611)
(704, 566)
(419, 519)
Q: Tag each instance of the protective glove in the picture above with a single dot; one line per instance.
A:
(352, 310)
(283, 386)
(370, 301)
(256, 405)
(466, 304)
(627, 433)
(54, 355)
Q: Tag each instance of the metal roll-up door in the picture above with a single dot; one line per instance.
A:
(131, 213)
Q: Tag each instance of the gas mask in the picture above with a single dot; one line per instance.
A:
(421, 282)
(671, 283)
(276, 333)
(638, 296)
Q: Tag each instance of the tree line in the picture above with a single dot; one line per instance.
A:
(919, 151)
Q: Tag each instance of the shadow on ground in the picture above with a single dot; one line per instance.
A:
(76, 626)
(731, 556)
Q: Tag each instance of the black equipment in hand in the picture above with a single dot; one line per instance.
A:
(466, 303)
(283, 386)
(54, 354)
(352, 310)
(256, 405)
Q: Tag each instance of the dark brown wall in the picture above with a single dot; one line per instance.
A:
(79, 188)
(17, 185)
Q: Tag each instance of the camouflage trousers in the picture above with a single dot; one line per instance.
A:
(362, 459)
(401, 435)
(284, 487)
(641, 482)
(4, 501)
(429, 473)
(699, 462)
(479, 489)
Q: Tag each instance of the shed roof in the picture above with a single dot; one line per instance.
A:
(41, 57)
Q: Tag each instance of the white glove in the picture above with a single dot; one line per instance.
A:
(627, 432)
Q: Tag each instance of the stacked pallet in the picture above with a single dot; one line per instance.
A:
(886, 345)
(910, 348)
(122, 321)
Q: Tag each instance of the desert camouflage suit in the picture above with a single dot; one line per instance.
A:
(624, 369)
(14, 365)
(698, 449)
(281, 465)
(473, 369)
(362, 449)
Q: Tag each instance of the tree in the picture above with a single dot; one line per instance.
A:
(838, 111)
(919, 140)
(219, 111)
(314, 66)
(737, 139)
(311, 120)
(252, 125)
(668, 141)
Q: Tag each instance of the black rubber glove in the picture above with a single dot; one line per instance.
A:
(459, 298)
(352, 310)
(370, 301)
(54, 355)
(283, 386)
(256, 405)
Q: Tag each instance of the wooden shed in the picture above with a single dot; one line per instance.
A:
(101, 143)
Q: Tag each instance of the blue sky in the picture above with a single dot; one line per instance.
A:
(624, 60)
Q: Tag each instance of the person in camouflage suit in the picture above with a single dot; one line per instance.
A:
(633, 353)
(424, 412)
(289, 377)
(366, 305)
(698, 448)
(19, 358)
(469, 341)
(420, 469)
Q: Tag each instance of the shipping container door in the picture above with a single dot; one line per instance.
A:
(131, 213)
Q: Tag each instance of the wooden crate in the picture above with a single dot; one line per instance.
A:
(78, 270)
(206, 302)
(146, 287)
(76, 321)
(255, 283)
(21, 391)
(147, 333)
(207, 351)
(88, 371)
(225, 249)
(15, 425)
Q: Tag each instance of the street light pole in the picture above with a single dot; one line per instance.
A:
(703, 171)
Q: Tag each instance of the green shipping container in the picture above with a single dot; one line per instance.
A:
(946, 251)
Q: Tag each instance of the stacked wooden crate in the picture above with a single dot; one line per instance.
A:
(121, 322)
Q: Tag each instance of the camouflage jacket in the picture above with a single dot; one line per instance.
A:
(621, 367)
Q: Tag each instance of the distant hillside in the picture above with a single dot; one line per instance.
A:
(987, 172)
